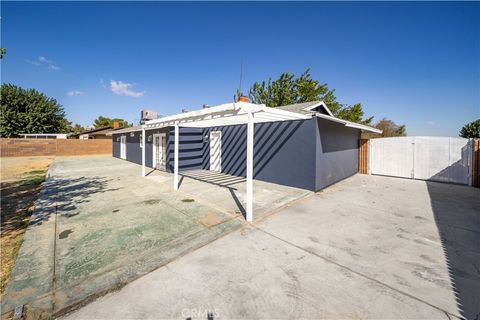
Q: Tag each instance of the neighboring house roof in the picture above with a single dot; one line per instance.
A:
(97, 131)
(125, 130)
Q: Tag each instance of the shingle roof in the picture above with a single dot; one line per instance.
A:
(94, 131)
(125, 130)
(300, 107)
(324, 113)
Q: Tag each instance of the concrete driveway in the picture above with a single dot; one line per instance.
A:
(368, 247)
(98, 224)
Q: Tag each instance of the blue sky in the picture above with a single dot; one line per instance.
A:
(417, 63)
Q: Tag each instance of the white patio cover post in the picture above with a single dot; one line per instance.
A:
(250, 132)
(143, 152)
(175, 161)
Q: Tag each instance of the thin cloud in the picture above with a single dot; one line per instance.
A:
(102, 83)
(430, 122)
(74, 93)
(42, 61)
(121, 88)
(34, 62)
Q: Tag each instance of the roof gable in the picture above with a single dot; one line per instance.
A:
(308, 108)
(321, 107)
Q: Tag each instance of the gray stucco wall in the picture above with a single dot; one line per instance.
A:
(336, 152)
(116, 146)
(284, 152)
(134, 152)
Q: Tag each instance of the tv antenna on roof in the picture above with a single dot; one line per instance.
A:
(241, 76)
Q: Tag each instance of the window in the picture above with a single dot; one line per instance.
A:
(141, 141)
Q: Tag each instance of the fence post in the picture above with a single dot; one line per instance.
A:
(476, 163)
(363, 155)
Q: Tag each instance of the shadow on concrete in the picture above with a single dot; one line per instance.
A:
(215, 178)
(180, 181)
(456, 211)
(457, 172)
(62, 195)
(218, 179)
(149, 172)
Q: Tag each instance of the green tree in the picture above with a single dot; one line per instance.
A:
(471, 130)
(75, 129)
(102, 121)
(390, 128)
(2, 52)
(288, 90)
(29, 111)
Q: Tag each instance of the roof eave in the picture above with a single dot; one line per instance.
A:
(349, 123)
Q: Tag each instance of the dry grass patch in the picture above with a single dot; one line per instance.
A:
(21, 180)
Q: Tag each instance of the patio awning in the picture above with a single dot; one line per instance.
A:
(225, 115)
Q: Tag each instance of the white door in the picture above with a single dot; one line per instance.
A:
(442, 159)
(123, 147)
(216, 151)
(159, 151)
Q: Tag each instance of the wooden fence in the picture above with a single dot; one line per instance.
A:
(53, 147)
(363, 160)
(476, 163)
(363, 156)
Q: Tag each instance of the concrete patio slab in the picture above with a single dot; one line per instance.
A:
(228, 193)
(98, 225)
(368, 247)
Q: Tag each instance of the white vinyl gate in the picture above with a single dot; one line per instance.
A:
(442, 159)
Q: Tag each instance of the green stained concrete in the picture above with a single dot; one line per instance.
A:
(98, 225)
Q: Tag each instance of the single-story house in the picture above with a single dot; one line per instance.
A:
(301, 145)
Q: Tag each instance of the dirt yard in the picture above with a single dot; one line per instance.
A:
(21, 179)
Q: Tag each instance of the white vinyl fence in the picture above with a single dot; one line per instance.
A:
(442, 159)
